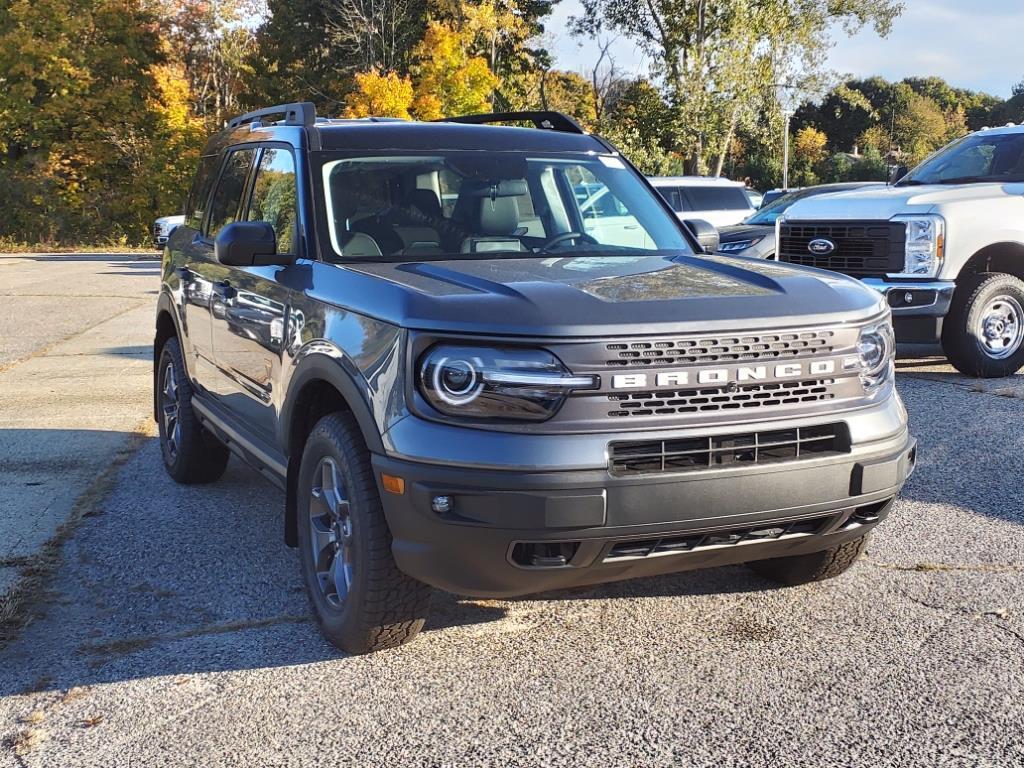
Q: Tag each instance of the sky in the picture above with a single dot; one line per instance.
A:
(972, 44)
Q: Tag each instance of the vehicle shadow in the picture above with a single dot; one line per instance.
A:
(161, 579)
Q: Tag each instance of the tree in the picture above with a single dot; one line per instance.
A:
(294, 59)
(1018, 89)
(808, 152)
(380, 95)
(716, 57)
(213, 43)
(449, 79)
(375, 34)
(81, 125)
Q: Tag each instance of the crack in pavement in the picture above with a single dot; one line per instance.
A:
(42, 351)
(927, 567)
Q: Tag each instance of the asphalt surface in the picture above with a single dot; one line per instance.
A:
(177, 633)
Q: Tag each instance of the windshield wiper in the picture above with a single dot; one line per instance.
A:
(969, 180)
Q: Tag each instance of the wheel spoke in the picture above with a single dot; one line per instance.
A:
(330, 527)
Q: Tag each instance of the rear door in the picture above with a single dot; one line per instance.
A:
(250, 316)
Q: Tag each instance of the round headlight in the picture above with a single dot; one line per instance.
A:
(872, 350)
(457, 380)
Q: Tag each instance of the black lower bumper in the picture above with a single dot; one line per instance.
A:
(502, 534)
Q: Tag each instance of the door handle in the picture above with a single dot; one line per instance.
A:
(224, 290)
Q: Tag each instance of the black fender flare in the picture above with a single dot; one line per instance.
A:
(331, 367)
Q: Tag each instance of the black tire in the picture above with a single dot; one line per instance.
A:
(382, 607)
(191, 454)
(963, 330)
(817, 566)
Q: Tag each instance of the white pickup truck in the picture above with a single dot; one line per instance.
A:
(944, 244)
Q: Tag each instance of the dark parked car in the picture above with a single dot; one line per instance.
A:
(755, 237)
(492, 360)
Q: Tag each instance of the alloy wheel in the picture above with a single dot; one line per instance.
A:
(330, 528)
(169, 406)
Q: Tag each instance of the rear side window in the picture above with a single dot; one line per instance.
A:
(273, 196)
(228, 195)
(195, 208)
(675, 198)
(716, 198)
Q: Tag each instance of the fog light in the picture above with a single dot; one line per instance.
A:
(908, 297)
(442, 505)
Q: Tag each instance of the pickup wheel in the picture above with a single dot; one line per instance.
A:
(817, 566)
(191, 454)
(362, 601)
(983, 334)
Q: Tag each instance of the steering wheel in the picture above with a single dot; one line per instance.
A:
(558, 239)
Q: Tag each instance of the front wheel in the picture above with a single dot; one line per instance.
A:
(362, 601)
(817, 566)
(984, 333)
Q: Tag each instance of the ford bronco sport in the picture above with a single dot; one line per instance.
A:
(466, 375)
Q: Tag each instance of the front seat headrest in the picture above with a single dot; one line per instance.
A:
(499, 216)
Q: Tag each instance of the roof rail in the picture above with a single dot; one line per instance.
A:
(547, 120)
(300, 113)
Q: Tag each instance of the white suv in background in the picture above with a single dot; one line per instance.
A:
(718, 201)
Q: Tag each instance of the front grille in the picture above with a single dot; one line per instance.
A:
(730, 537)
(720, 398)
(772, 346)
(863, 249)
(696, 453)
(157, 230)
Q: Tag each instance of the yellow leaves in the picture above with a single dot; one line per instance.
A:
(380, 95)
(448, 78)
(809, 144)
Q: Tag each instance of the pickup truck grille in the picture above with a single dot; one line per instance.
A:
(862, 248)
(720, 398)
(691, 351)
(696, 453)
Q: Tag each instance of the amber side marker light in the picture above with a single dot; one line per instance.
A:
(392, 484)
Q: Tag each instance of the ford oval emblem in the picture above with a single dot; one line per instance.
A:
(821, 246)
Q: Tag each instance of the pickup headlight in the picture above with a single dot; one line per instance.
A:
(876, 350)
(925, 245)
(736, 246)
(476, 382)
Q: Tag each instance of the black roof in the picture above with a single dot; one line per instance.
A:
(364, 134)
(552, 132)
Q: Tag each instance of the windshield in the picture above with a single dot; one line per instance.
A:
(769, 213)
(456, 204)
(980, 157)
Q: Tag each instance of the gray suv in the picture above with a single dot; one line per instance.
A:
(464, 376)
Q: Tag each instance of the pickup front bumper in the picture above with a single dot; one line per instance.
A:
(918, 308)
(486, 532)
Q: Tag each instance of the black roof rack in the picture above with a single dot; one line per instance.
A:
(300, 113)
(547, 120)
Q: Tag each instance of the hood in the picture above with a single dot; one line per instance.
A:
(882, 203)
(744, 232)
(598, 296)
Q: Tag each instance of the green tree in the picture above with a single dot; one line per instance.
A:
(716, 58)
(80, 124)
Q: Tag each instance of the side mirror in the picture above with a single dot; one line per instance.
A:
(898, 173)
(706, 235)
(247, 244)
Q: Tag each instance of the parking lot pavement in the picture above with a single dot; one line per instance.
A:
(74, 373)
(176, 633)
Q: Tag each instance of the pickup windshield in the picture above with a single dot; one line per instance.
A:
(976, 159)
(465, 204)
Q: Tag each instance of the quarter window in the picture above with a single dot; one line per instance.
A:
(273, 196)
(228, 195)
(195, 208)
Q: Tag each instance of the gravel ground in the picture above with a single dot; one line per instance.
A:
(178, 634)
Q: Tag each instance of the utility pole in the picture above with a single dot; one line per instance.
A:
(786, 115)
(785, 91)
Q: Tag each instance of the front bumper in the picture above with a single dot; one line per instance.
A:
(918, 308)
(512, 532)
